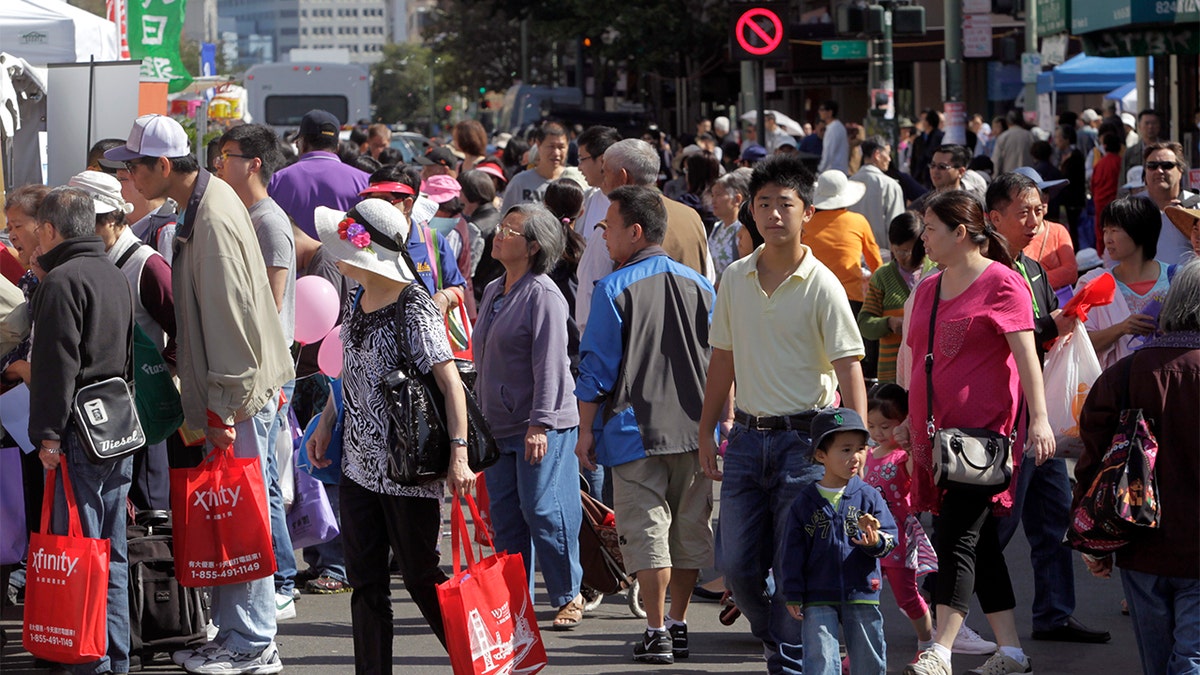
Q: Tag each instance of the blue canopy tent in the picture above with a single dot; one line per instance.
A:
(1082, 74)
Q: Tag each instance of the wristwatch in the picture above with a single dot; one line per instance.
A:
(58, 451)
(458, 441)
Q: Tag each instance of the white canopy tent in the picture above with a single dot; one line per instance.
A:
(52, 31)
(33, 34)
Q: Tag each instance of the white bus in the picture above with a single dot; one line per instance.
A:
(280, 93)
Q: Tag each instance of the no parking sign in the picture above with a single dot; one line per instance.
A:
(759, 31)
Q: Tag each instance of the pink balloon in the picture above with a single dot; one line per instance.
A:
(329, 356)
(316, 308)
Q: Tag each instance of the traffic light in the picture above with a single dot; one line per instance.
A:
(859, 19)
(908, 20)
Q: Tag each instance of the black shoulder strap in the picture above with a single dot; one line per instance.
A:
(128, 254)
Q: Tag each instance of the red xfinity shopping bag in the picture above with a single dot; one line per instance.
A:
(222, 530)
(487, 611)
(66, 587)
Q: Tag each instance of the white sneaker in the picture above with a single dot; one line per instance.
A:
(285, 607)
(1002, 664)
(969, 642)
(184, 655)
(225, 662)
(927, 663)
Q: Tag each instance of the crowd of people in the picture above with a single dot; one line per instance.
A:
(790, 317)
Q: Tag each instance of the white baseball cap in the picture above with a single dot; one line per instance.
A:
(105, 191)
(152, 136)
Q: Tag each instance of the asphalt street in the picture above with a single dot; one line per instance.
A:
(319, 639)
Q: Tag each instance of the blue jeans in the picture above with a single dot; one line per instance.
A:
(764, 471)
(329, 558)
(245, 612)
(862, 628)
(279, 436)
(1166, 621)
(1043, 506)
(536, 508)
(100, 492)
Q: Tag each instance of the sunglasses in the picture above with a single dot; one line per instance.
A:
(224, 157)
(1165, 166)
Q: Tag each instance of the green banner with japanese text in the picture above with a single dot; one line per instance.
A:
(154, 30)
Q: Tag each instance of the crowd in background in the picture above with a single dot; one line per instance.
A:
(656, 315)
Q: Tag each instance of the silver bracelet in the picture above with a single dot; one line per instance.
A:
(52, 451)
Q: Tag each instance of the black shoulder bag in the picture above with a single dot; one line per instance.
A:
(106, 415)
(418, 436)
(972, 460)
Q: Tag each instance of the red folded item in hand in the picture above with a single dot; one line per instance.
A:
(1098, 291)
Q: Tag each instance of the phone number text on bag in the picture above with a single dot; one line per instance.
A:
(52, 635)
(222, 569)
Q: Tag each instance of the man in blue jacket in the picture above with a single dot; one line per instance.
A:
(641, 382)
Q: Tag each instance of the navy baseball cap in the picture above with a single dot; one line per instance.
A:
(319, 123)
(832, 420)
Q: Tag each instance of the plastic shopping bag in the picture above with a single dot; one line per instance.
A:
(222, 530)
(310, 520)
(486, 609)
(1071, 369)
(66, 587)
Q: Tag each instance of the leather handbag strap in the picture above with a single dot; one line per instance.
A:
(930, 427)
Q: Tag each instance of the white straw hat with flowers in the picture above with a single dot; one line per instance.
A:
(369, 236)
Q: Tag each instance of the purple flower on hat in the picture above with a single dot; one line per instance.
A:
(356, 234)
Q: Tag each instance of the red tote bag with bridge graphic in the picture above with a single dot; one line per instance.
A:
(488, 615)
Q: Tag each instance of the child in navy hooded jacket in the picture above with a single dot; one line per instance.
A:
(838, 529)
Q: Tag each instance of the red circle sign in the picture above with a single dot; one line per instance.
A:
(747, 26)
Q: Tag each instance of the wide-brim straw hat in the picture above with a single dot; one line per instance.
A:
(386, 233)
(836, 191)
(1183, 218)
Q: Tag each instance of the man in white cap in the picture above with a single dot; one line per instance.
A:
(232, 359)
(842, 239)
(149, 277)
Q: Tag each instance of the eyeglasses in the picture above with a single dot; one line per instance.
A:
(224, 156)
(944, 166)
(506, 232)
(583, 158)
(1165, 166)
(143, 161)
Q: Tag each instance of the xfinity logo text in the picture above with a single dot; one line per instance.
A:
(207, 499)
(52, 562)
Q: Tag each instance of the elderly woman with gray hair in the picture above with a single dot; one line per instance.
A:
(525, 389)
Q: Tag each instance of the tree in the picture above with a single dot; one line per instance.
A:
(655, 40)
(400, 83)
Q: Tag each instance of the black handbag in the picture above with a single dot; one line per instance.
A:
(418, 437)
(970, 460)
(106, 416)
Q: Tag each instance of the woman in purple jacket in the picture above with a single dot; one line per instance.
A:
(525, 389)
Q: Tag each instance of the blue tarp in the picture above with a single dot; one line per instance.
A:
(1083, 74)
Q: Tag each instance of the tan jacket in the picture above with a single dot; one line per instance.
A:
(232, 355)
(686, 241)
(14, 316)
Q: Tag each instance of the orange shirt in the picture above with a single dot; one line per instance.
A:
(841, 239)
(1052, 248)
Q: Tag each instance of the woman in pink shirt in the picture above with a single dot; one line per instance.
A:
(983, 355)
